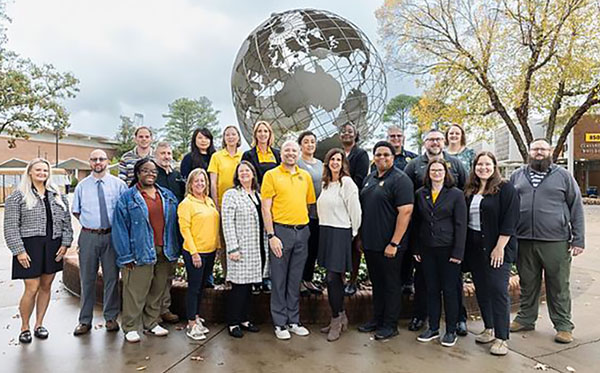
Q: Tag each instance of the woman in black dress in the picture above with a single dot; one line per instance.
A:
(37, 230)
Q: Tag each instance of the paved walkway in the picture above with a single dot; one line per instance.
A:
(354, 352)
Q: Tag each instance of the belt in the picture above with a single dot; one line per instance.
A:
(295, 227)
(96, 231)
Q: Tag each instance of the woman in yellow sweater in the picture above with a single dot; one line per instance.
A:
(199, 225)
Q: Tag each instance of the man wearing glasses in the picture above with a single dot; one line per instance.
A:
(93, 204)
(401, 156)
(550, 230)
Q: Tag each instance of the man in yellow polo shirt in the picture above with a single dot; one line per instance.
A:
(286, 192)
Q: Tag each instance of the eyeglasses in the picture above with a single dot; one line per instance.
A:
(439, 139)
(384, 155)
(395, 136)
(98, 160)
(149, 172)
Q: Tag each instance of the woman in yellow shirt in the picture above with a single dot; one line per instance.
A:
(199, 225)
(223, 163)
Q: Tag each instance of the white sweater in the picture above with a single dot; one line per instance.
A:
(338, 205)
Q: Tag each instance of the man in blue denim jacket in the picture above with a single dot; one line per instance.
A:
(146, 243)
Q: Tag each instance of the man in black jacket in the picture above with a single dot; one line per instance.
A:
(171, 179)
(358, 160)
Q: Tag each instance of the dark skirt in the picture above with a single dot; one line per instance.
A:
(42, 252)
(335, 249)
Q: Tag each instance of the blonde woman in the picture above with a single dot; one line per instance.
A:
(37, 230)
(263, 156)
(199, 225)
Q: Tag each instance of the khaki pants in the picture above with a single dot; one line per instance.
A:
(143, 288)
(554, 259)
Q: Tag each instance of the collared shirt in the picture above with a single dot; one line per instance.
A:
(266, 157)
(156, 215)
(291, 194)
(172, 181)
(223, 164)
(85, 201)
(199, 224)
(380, 199)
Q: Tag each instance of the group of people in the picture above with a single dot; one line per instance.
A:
(270, 215)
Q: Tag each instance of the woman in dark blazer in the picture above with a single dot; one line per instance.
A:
(440, 227)
(491, 246)
(263, 156)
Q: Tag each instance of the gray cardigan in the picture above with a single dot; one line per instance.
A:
(21, 222)
(553, 211)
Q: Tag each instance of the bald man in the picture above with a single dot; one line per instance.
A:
(93, 204)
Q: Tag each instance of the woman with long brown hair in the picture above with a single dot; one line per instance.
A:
(339, 212)
(493, 209)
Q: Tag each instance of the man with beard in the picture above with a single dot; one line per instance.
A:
(358, 162)
(550, 231)
(93, 204)
(434, 149)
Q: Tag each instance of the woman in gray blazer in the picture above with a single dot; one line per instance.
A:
(37, 229)
(245, 240)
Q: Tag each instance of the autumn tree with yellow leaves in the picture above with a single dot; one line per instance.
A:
(501, 60)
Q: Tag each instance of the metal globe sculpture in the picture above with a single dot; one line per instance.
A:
(308, 70)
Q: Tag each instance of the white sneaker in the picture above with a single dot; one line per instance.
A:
(194, 333)
(282, 333)
(132, 337)
(298, 329)
(158, 331)
(201, 327)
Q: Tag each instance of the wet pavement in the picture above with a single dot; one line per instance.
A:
(100, 351)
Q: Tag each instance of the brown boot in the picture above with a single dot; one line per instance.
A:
(335, 329)
(325, 329)
(344, 321)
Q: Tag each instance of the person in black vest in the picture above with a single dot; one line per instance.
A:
(387, 204)
(491, 246)
(440, 228)
(201, 150)
(358, 162)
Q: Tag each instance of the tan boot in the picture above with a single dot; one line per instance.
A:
(516, 326)
(563, 337)
(344, 321)
(335, 329)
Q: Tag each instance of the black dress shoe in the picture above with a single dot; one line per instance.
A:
(256, 289)
(235, 331)
(112, 326)
(415, 324)
(386, 333)
(25, 336)
(461, 328)
(368, 327)
(82, 329)
(350, 289)
(248, 326)
(266, 286)
(41, 332)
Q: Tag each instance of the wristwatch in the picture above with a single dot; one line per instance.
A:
(396, 245)
(270, 235)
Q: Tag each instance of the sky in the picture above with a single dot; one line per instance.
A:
(139, 56)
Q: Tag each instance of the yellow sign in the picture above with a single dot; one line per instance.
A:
(592, 137)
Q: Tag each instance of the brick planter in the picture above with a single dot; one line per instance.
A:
(313, 309)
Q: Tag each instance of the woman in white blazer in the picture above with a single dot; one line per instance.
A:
(246, 243)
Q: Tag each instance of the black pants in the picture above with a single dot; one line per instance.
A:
(441, 277)
(420, 299)
(313, 250)
(197, 278)
(238, 304)
(491, 286)
(408, 268)
(385, 275)
(335, 292)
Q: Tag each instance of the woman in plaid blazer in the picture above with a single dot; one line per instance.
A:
(246, 244)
